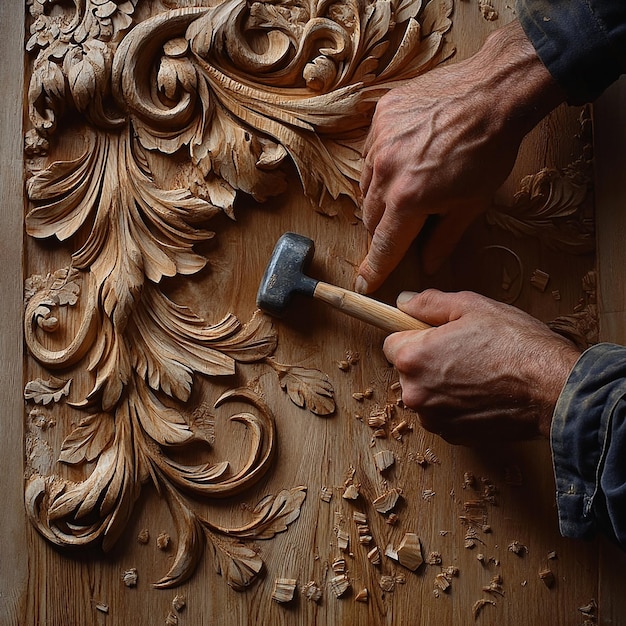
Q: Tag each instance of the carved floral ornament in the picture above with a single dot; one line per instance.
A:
(242, 89)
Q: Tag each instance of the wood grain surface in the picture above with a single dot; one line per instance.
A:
(485, 517)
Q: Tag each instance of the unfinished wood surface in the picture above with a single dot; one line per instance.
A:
(185, 459)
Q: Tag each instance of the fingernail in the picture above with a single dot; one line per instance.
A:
(360, 285)
(405, 296)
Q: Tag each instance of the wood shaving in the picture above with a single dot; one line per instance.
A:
(495, 586)
(102, 607)
(434, 558)
(362, 596)
(547, 576)
(163, 541)
(517, 548)
(431, 457)
(171, 619)
(428, 495)
(143, 536)
(179, 602)
(479, 605)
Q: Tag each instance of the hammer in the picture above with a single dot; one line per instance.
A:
(284, 276)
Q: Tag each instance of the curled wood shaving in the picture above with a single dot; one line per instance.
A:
(479, 605)
(362, 596)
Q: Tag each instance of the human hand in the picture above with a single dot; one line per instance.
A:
(443, 143)
(486, 371)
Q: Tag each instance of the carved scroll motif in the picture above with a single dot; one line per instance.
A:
(555, 205)
(241, 89)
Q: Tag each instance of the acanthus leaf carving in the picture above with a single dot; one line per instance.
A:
(47, 391)
(306, 387)
(187, 82)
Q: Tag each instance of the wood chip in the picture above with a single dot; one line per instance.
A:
(179, 602)
(163, 541)
(343, 540)
(374, 556)
(312, 592)
(517, 548)
(410, 552)
(547, 576)
(284, 590)
(387, 501)
(442, 582)
(143, 536)
(102, 607)
(171, 619)
(384, 460)
(351, 492)
(129, 577)
(539, 280)
(339, 584)
(326, 494)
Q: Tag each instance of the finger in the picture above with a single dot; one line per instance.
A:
(433, 306)
(373, 205)
(366, 178)
(447, 234)
(389, 245)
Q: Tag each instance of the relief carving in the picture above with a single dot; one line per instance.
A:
(555, 205)
(243, 90)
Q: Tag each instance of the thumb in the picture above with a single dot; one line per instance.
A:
(432, 306)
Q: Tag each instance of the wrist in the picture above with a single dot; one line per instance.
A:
(521, 89)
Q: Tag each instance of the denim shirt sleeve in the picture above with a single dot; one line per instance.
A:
(588, 439)
(582, 43)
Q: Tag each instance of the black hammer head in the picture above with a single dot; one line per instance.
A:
(284, 274)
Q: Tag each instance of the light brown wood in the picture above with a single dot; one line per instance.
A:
(199, 443)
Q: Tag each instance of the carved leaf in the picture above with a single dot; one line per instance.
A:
(272, 515)
(239, 564)
(190, 546)
(46, 94)
(46, 391)
(306, 388)
(171, 343)
(165, 425)
(85, 443)
(257, 340)
(107, 495)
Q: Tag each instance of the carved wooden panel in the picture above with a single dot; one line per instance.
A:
(188, 459)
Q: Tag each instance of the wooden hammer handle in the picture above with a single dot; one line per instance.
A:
(367, 309)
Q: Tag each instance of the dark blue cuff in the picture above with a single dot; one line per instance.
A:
(588, 439)
(582, 43)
